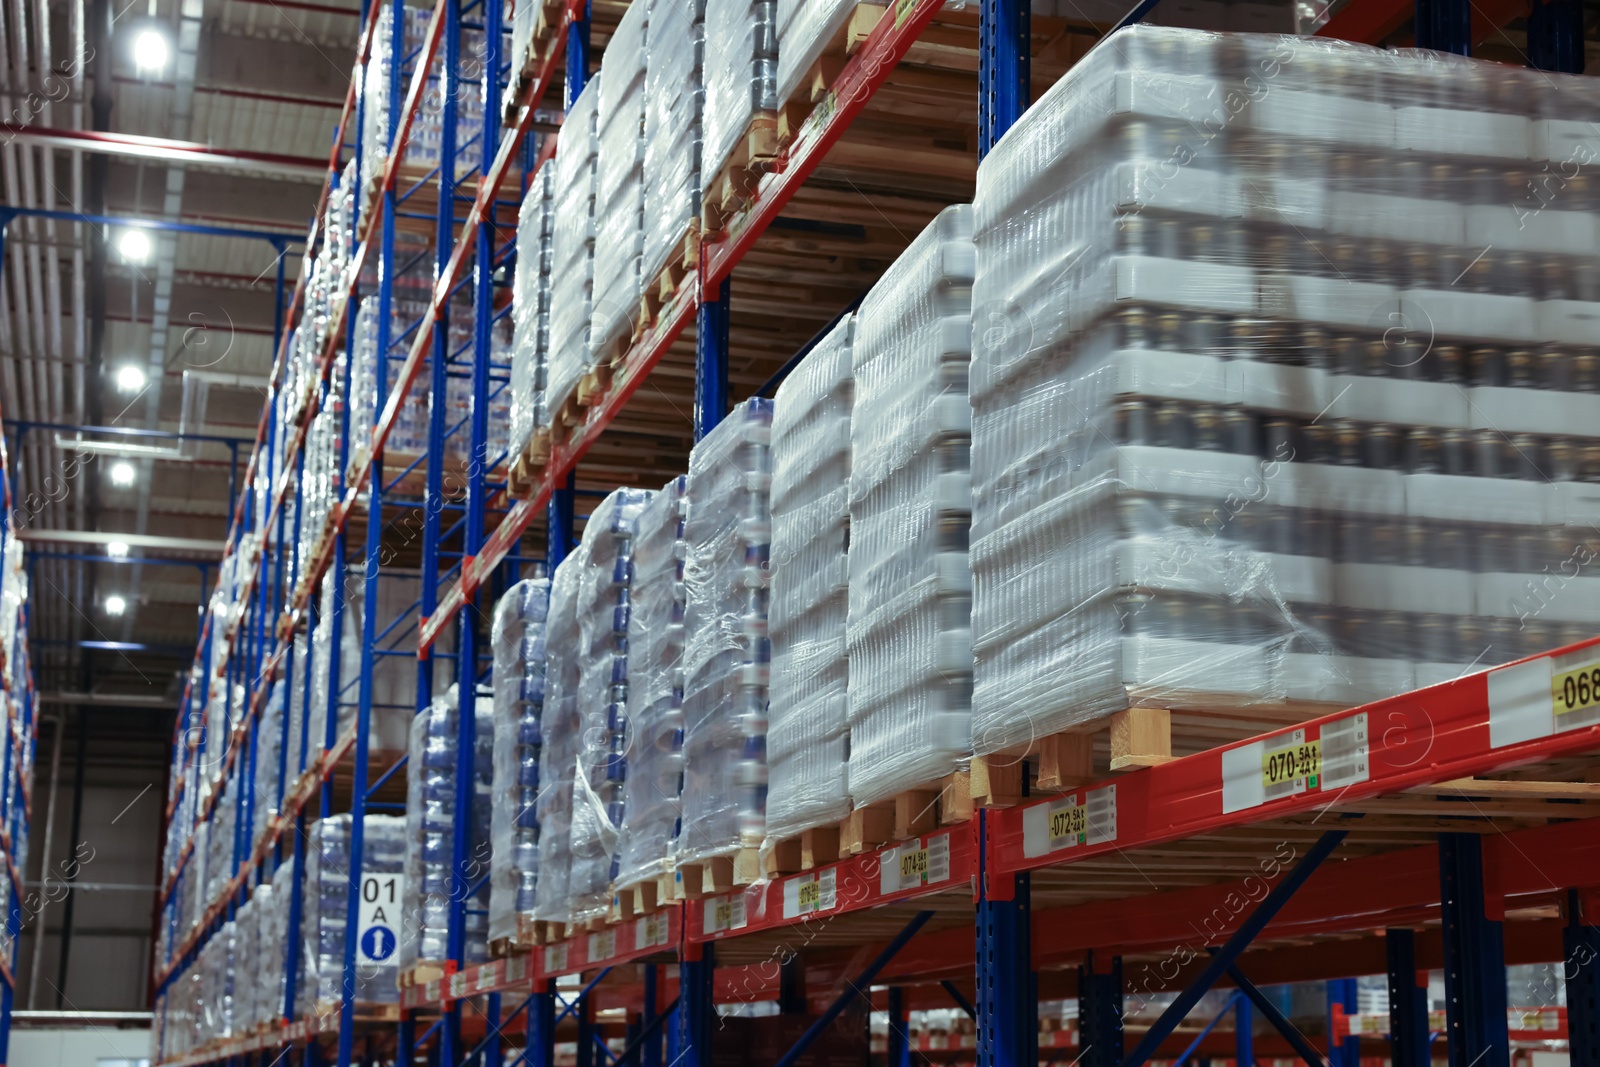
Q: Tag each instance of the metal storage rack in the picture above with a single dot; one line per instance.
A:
(1014, 908)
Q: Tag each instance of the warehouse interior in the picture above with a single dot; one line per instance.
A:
(1003, 533)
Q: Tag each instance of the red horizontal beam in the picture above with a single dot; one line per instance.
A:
(163, 149)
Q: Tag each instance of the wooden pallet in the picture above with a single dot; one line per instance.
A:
(812, 848)
(527, 65)
(642, 898)
(910, 813)
(659, 293)
(422, 974)
(735, 185)
(818, 82)
(532, 932)
(718, 874)
(526, 470)
(366, 1011)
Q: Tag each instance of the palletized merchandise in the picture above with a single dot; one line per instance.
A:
(275, 943)
(562, 741)
(1300, 418)
(726, 655)
(530, 314)
(327, 902)
(518, 642)
(908, 632)
(572, 250)
(805, 28)
(599, 788)
(619, 185)
(655, 690)
(431, 818)
(262, 955)
(741, 70)
(267, 791)
(674, 101)
(808, 735)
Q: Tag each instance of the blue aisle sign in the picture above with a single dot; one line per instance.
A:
(379, 920)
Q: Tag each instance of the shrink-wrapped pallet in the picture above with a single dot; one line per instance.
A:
(558, 756)
(741, 70)
(1304, 417)
(572, 251)
(655, 686)
(909, 631)
(599, 787)
(808, 734)
(619, 186)
(267, 792)
(259, 960)
(327, 902)
(805, 29)
(518, 643)
(674, 101)
(277, 996)
(530, 314)
(432, 884)
(726, 655)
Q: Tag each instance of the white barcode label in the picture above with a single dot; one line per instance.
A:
(1344, 752)
(602, 945)
(725, 913)
(555, 958)
(516, 969)
(649, 931)
(1287, 764)
(808, 893)
(917, 863)
(1102, 808)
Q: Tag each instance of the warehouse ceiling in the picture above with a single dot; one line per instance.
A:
(194, 320)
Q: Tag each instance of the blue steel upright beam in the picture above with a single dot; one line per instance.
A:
(1444, 25)
(1100, 1012)
(1345, 1053)
(899, 1029)
(1555, 36)
(1004, 61)
(697, 1011)
(1581, 971)
(540, 1050)
(711, 362)
(1244, 1038)
(1008, 1010)
(1408, 1002)
(1474, 958)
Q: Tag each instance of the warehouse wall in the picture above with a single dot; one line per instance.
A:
(116, 854)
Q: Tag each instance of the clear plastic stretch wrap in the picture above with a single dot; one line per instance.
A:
(561, 730)
(619, 184)
(267, 796)
(530, 312)
(1288, 386)
(726, 655)
(808, 734)
(518, 642)
(805, 29)
(431, 815)
(599, 787)
(741, 72)
(256, 960)
(327, 899)
(909, 632)
(655, 690)
(674, 101)
(275, 941)
(572, 250)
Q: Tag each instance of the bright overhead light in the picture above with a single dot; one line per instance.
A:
(117, 549)
(150, 49)
(115, 605)
(134, 245)
(130, 378)
(122, 473)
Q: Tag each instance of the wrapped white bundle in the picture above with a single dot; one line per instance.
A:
(572, 251)
(518, 642)
(726, 655)
(326, 903)
(599, 797)
(910, 592)
(562, 732)
(808, 738)
(674, 100)
(619, 186)
(530, 313)
(741, 70)
(1287, 422)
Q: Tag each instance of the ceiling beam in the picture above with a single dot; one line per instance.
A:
(165, 150)
(98, 537)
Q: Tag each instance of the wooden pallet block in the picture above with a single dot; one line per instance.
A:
(642, 898)
(594, 383)
(525, 470)
(735, 184)
(824, 73)
(421, 974)
(365, 1011)
(681, 264)
(719, 873)
(812, 848)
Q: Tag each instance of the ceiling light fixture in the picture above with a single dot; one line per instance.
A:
(117, 549)
(122, 473)
(134, 245)
(115, 605)
(130, 378)
(151, 50)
